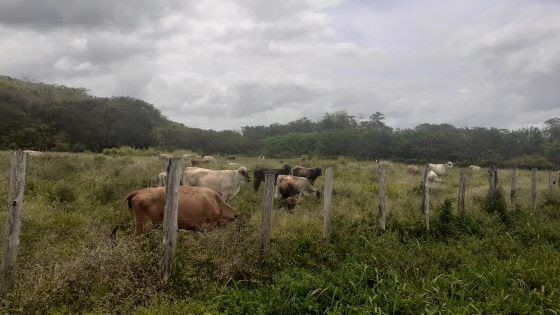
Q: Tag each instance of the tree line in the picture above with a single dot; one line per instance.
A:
(50, 117)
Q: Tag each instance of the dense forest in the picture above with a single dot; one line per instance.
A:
(51, 117)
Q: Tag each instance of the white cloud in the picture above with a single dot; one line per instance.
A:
(229, 63)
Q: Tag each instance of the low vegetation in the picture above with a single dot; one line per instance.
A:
(472, 263)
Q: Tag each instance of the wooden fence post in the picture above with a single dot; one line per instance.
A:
(534, 188)
(170, 226)
(426, 197)
(513, 195)
(13, 226)
(267, 211)
(492, 180)
(550, 182)
(461, 198)
(327, 203)
(381, 188)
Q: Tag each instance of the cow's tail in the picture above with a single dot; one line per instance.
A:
(128, 198)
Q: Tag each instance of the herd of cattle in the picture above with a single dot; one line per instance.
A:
(205, 194)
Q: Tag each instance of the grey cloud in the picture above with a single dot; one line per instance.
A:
(47, 14)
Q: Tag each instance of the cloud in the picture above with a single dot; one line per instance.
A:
(228, 63)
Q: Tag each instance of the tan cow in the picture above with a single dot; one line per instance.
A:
(412, 169)
(209, 159)
(200, 208)
(225, 182)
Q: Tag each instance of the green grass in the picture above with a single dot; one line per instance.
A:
(473, 263)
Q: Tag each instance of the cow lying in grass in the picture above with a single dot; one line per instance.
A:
(200, 208)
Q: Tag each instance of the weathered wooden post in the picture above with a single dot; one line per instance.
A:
(461, 198)
(327, 203)
(513, 195)
(267, 212)
(13, 226)
(381, 190)
(492, 180)
(174, 174)
(426, 197)
(534, 188)
(550, 182)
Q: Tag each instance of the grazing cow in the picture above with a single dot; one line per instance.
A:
(224, 182)
(412, 169)
(162, 179)
(440, 169)
(310, 173)
(289, 186)
(163, 156)
(34, 153)
(259, 172)
(200, 208)
(432, 176)
(474, 168)
(261, 157)
(207, 159)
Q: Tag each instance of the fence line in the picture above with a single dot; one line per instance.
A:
(267, 211)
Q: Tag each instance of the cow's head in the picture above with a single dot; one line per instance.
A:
(291, 203)
(449, 164)
(318, 171)
(286, 169)
(245, 173)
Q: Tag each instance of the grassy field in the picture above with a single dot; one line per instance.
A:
(477, 263)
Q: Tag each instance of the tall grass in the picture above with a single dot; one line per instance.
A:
(472, 263)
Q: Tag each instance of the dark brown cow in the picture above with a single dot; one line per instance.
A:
(310, 173)
(288, 187)
(200, 208)
(259, 172)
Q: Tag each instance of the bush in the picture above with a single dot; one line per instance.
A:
(496, 203)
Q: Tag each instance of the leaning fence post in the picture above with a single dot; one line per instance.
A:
(13, 226)
(534, 188)
(513, 195)
(381, 188)
(461, 198)
(426, 197)
(327, 203)
(267, 211)
(170, 225)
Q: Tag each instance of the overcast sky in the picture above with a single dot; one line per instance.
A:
(223, 64)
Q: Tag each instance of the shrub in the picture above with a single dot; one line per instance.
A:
(496, 203)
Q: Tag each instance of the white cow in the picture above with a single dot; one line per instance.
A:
(432, 177)
(224, 182)
(162, 179)
(440, 169)
(474, 168)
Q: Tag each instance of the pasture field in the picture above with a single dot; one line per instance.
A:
(477, 263)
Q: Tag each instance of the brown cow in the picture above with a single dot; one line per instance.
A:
(289, 186)
(310, 173)
(200, 208)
